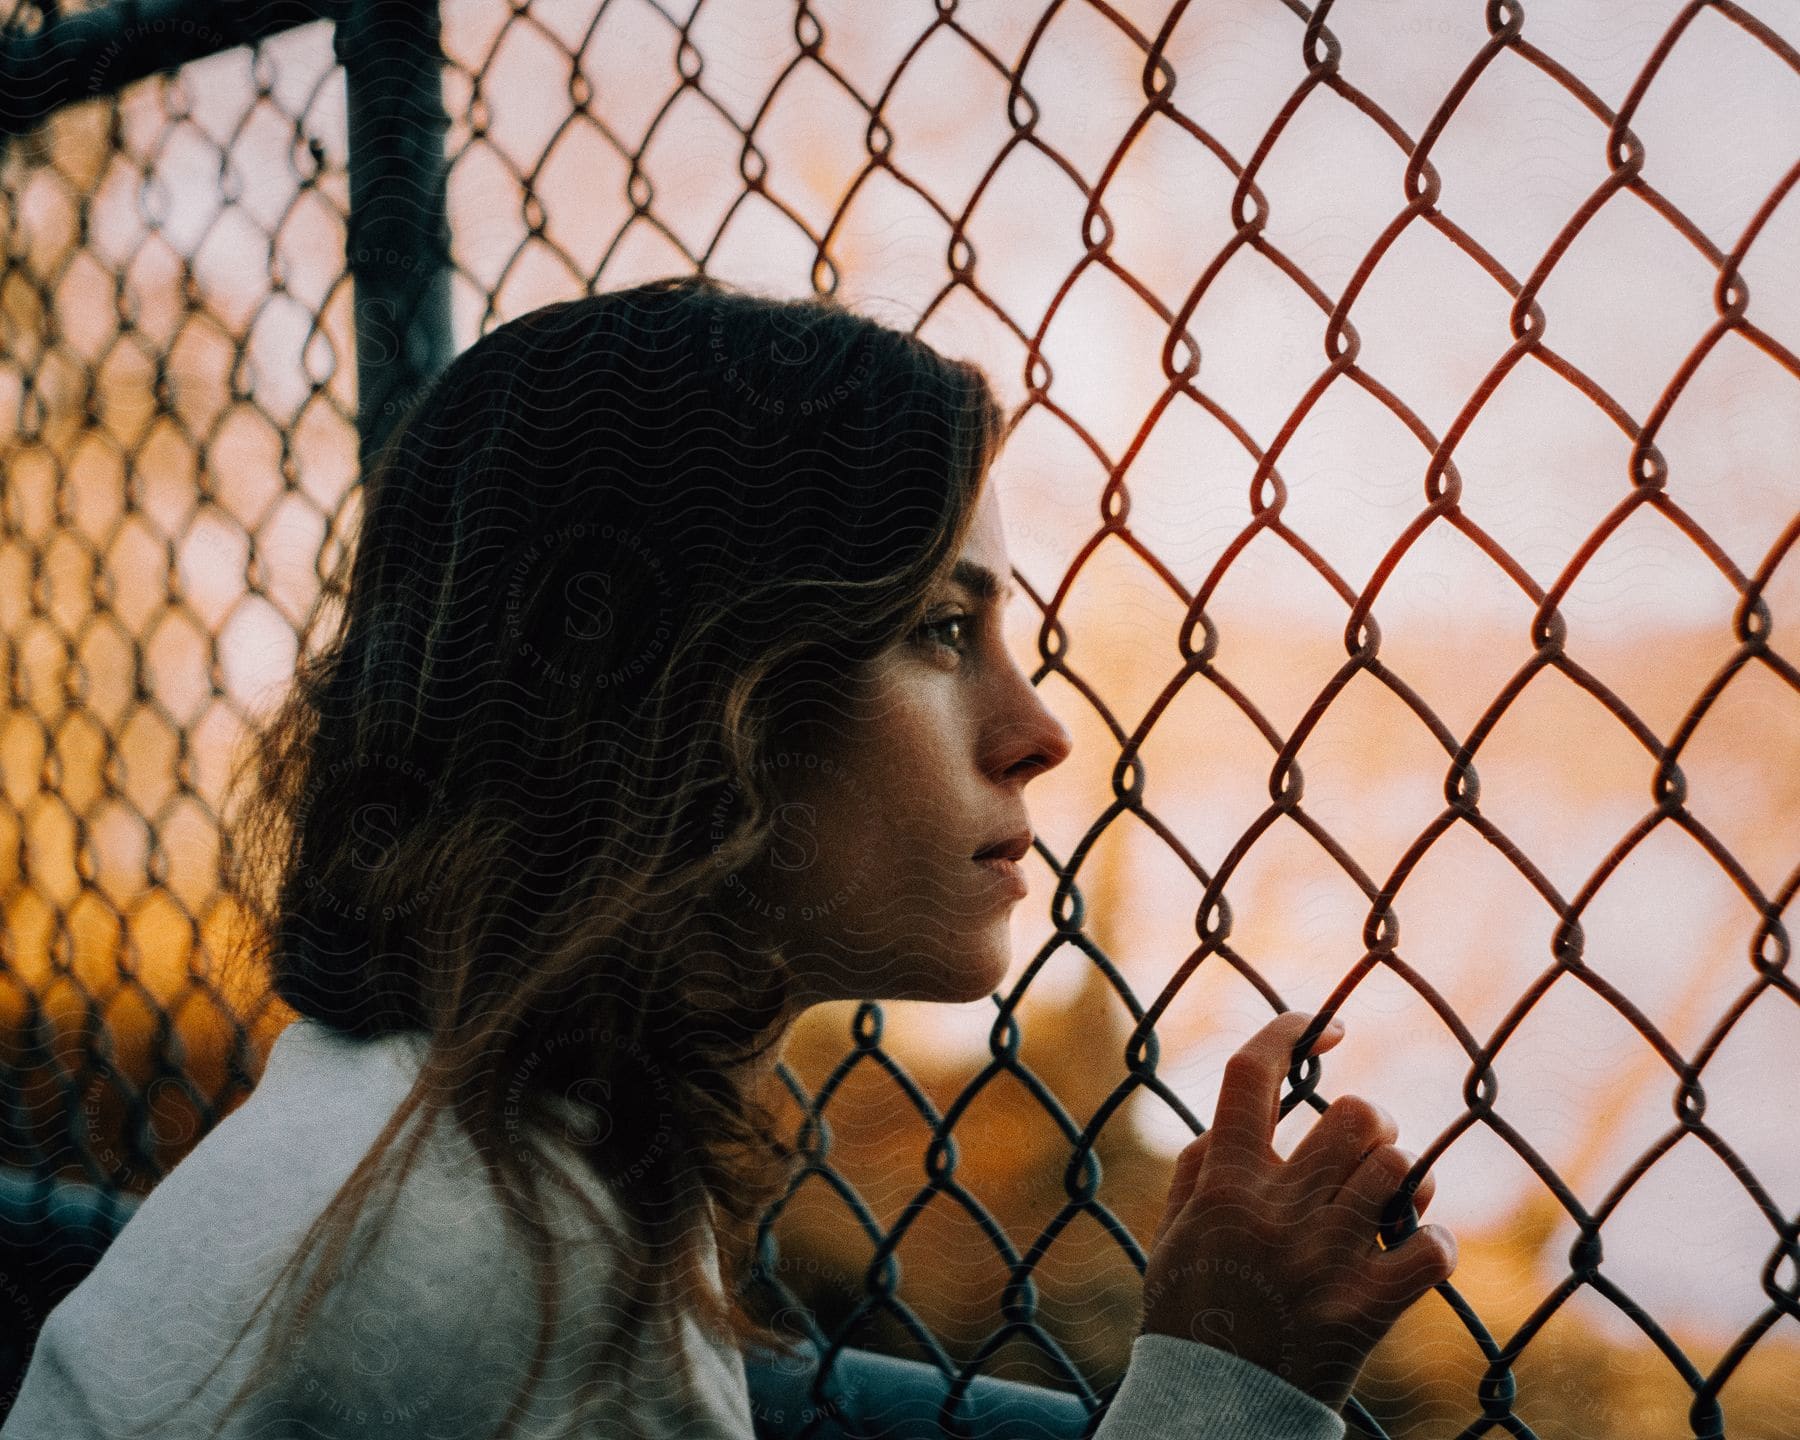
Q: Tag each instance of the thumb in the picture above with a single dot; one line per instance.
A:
(1181, 1184)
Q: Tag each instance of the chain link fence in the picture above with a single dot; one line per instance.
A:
(213, 307)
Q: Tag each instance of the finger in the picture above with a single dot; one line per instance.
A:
(1422, 1196)
(1427, 1257)
(1329, 1153)
(1250, 1095)
(1181, 1184)
(1326, 1038)
(1364, 1197)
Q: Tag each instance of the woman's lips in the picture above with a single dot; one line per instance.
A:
(1009, 874)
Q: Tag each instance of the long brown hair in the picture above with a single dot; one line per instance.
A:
(622, 549)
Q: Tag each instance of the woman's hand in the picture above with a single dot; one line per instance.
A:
(1275, 1260)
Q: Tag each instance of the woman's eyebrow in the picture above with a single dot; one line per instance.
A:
(983, 583)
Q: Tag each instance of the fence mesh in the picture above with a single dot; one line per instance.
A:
(182, 461)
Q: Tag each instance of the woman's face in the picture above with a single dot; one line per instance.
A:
(872, 878)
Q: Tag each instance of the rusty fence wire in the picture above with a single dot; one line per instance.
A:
(191, 381)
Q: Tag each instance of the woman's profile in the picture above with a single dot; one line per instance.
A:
(662, 696)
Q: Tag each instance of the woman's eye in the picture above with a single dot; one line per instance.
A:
(955, 626)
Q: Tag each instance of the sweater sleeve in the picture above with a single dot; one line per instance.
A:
(1177, 1389)
(51, 1400)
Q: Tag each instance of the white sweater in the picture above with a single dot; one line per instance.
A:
(431, 1333)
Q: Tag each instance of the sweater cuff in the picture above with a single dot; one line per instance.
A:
(1188, 1388)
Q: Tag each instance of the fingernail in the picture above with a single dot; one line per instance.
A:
(1336, 1027)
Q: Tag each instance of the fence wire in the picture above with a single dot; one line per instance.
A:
(150, 344)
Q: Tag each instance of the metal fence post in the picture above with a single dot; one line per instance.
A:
(398, 240)
(84, 54)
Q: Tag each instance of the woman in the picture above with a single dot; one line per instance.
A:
(666, 697)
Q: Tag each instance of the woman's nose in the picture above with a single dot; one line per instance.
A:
(1031, 740)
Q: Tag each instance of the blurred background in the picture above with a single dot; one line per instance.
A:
(1203, 465)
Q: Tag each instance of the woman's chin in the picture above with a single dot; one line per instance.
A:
(971, 968)
(987, 971)
(962, 979)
